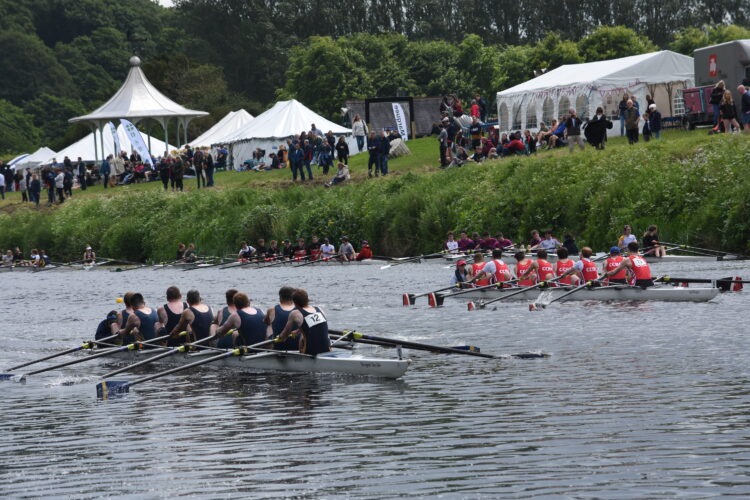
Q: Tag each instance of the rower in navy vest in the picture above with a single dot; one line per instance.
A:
(223, 315)
(198, 316)
(169, 314)
(310, 322)
(277, 318)
(122, 316)
(247, 320)
(141, 324)
(104, 329)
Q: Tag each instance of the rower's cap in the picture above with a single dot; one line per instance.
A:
(344, 238)
(614, 250)
(364, 242)
(461, 263)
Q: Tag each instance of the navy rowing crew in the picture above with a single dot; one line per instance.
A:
(293, 324)
(633, 269)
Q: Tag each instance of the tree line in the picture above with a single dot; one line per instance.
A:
(62, 58)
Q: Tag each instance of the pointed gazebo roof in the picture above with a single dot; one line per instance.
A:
(138, 99)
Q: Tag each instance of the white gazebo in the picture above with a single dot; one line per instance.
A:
(586, 86)
(138, 100)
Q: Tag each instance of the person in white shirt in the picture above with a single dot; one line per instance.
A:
(2, 185)
(451, 245)
(327, 250)
(59, 185)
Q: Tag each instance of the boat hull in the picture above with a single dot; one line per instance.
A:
(335, 362)
(614, 293)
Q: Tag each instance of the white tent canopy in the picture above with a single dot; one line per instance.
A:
(84, 148)
(586, 86)
(34, 159)
(17, 159)
(227, 126)
(272, 127)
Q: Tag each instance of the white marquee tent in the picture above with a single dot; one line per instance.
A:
(584, 87)
(227, 126)
(272, 127)
(34, 159)
(85, 147)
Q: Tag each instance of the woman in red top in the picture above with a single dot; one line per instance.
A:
(365, 252)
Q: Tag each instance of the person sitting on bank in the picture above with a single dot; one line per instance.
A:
(341, 175)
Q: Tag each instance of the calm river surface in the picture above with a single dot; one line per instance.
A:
(637, 401)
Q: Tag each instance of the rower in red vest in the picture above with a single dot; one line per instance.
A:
(314, 248)
(496, 271)
(477, 277)
(585, 269)
(300, 250)
(544, 269)
(613, 262)
(525, 270)
(563, 265)
(637, 265)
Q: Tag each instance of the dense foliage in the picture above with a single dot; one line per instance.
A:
(65, 57)
(693, 186)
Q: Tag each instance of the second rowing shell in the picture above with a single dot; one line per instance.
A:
(607, 293)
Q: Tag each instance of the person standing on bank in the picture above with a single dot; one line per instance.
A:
(623, 106)
(729, 113)
(654, 117)
(105, 170)
(632, 117)
(745, 101)
(573, 131)
(359, 131)
(717, 94)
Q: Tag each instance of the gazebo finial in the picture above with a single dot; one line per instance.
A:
(135, 61)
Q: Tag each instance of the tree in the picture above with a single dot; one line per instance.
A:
(17, 130)
(51, 115)
(687, 40)
(612, 42)
(30, 68)
(553, 52)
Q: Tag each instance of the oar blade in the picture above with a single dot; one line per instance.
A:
(386, 266)
(13, 377)
(471, 306)
(112, 388)
(530, 355)
(409, 299)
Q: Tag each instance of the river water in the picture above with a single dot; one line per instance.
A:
(643, 400)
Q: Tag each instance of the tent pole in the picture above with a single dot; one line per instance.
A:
(96, 149)
(164, 124)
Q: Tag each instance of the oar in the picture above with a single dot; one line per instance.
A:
(105, 388)
(533, 306)
(409, 298)
(708, 250)
(437, 300)
(182, 348)
(360, 337)
(735, 284)
(410, 259)
(85, 345)
(322, 259)
(129, 347)
(482, 304)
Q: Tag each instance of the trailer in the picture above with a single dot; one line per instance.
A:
(730, 62)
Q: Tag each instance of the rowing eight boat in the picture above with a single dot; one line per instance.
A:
(282, 361)
(606, 293)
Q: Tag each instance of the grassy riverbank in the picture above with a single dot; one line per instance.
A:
(695, 187)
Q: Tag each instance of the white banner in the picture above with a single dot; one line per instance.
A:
(401, 124)
(136, 140)
(115, 137)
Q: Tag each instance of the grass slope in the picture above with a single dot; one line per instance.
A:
(695, 187)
